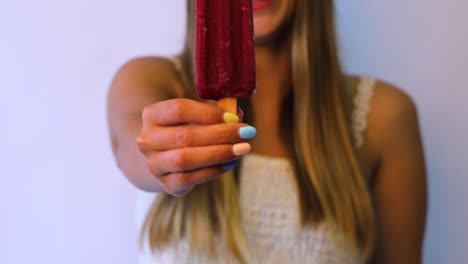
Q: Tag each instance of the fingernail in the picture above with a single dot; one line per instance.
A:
(230, 165)
(139, 139)
(247, 132)
(241, 149)
(230, 118)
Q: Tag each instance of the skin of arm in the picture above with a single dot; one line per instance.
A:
(398, 186)
(138, 83)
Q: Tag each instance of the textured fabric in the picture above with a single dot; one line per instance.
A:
(270, 210)
(361, 109)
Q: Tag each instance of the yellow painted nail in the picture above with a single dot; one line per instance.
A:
(230, 118)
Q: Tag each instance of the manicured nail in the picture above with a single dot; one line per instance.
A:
(241, 149)
(230, 165)
(247, 132)
(230, 118)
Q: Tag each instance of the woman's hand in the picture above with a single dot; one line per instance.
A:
(186, 143)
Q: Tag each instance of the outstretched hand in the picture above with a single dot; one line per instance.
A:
(188, 143)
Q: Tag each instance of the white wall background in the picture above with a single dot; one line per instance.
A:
(63, 201)
(422, 46)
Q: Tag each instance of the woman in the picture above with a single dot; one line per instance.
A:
(337, 170)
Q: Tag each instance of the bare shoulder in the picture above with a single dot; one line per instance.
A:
(390, 102)
(392, 117)
(387, 98)
(392, 123)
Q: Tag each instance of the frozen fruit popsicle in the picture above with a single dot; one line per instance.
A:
(224, 51)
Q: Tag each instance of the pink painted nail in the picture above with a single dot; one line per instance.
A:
(241, 149)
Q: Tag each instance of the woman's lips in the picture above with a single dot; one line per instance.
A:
(262, 4)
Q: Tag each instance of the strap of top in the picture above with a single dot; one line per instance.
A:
(177, 63)
(361, 108)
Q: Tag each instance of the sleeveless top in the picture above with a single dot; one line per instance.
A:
(270, 211)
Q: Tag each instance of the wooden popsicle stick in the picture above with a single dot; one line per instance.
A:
(228, 104)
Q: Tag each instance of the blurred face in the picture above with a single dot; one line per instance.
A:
(270, 16)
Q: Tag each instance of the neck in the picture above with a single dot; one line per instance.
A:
(273, 73)
(273, 84)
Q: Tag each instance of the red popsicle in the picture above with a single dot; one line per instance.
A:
(224, 52)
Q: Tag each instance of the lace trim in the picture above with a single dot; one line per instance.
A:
(361, 109)
(177, 63)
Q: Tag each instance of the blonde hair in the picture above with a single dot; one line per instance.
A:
(331, 185)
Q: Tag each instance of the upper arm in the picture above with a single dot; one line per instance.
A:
(399, 184)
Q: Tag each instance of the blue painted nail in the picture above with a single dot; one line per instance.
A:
(230, 165)
(247, 132)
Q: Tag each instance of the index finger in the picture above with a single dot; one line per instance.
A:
(182, 111)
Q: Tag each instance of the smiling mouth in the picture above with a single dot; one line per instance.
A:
(262, 4)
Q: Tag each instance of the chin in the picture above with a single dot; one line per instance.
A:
(268, 31)
(264, 28)
(274, 21)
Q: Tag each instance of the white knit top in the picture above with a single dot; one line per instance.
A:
(270, 209)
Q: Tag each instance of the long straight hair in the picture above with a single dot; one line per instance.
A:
(332, 187)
